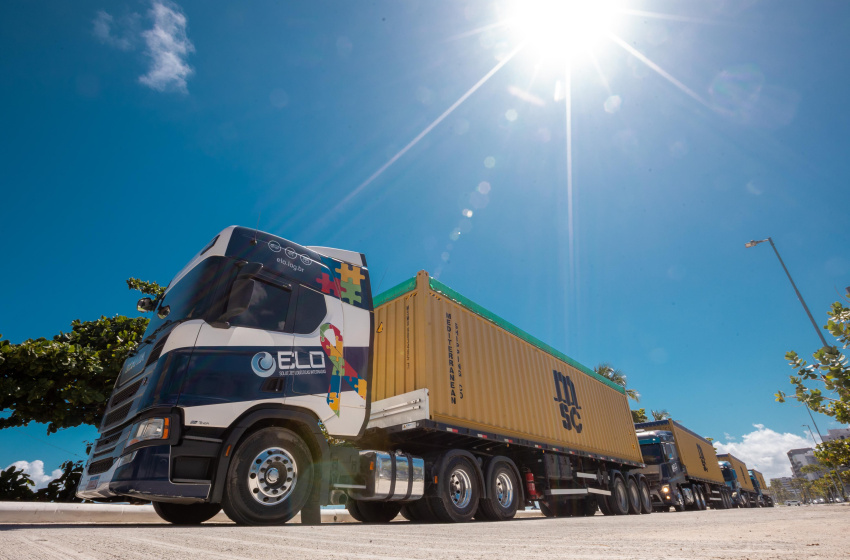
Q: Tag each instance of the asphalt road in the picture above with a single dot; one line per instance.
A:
(781, 532)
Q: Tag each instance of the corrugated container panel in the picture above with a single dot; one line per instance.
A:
(696, 453)
(484, 374)
(740, 469)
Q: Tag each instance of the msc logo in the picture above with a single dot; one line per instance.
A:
(300, 361)
(565, 396)
(702, 458)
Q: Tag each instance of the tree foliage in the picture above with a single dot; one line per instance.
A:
(607, 370)
(829, 368)
(660, 415)
(639, 416)
(828, 372)
(15, 485)
(66, 381)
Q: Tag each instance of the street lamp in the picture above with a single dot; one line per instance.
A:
(753, 243)
(796, 291)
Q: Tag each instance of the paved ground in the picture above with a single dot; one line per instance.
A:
(782, 532)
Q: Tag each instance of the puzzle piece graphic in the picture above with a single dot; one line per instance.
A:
(351, 292)
(341, 369)
(329, 286)
(350, 273)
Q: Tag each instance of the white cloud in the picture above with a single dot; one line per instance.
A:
(764, 450)
(167, 47)
(35, 470)
(120, 36)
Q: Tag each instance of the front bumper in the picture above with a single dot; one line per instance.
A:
(146, 477)
(143, 470)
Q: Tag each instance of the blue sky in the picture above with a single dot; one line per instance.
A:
(135, 131)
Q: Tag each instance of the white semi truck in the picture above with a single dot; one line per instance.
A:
(448, 412)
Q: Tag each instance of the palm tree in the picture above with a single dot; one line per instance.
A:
(660, 415)
(607, 370)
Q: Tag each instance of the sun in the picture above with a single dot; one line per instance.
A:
(557, 28)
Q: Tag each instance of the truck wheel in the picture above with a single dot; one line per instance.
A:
(679, 504)
(373, 512)
(587, 507)
(603, 505)
(700, 500)
(645, 497)
(354, 511)
(457, 495)
(409, 513)
(503, 489)
(727, 501)
(634, 496)
(269, 478)
(555, 507)
(186, 514)
(618, 501)
(421, 510)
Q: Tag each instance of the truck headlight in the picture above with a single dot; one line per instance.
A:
(151, 428)
(665, 489)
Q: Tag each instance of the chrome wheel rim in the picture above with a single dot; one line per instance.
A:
(460, 488)
(272, 476)
(504, 490)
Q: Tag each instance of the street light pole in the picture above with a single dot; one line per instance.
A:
(753, 243)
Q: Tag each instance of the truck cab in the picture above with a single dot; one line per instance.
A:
(731, 477)
(764, 499)
(254, 332)
(664, 470)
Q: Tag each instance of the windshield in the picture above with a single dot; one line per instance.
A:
(190, 298)
(652, 453)
(728, 474)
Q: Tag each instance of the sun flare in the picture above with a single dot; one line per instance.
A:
(562, 27)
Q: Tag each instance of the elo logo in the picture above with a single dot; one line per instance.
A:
(263, 364)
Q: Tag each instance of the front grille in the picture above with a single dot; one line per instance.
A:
(117, 415)
(106, 441)
(100, 466)
(125, 394)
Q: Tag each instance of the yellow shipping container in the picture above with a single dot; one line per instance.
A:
(740, 469)
(760, 480)
(491, 379)
(696, 453)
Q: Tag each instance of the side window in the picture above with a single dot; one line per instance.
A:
(268, 309)
(310, 312)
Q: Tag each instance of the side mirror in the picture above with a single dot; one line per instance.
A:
(145, 305)
(240, 294)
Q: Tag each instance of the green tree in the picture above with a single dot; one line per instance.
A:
(62, 489)
(778, 491)
(66, 381)
(660, 415)
(15, 485)
(639, 416)
(606, 370)
(829, 370)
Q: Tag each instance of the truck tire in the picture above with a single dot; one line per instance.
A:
(503, 491)
(457, 493)
(679, 501)
(645, 497)
(373, 512)
(700, 499)
(634, 496)
(186, 514)
(554, 506)
(603, 505)
(727, 500)
(269, 479)
(409, 513)
(419, 511)
(618, 501)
